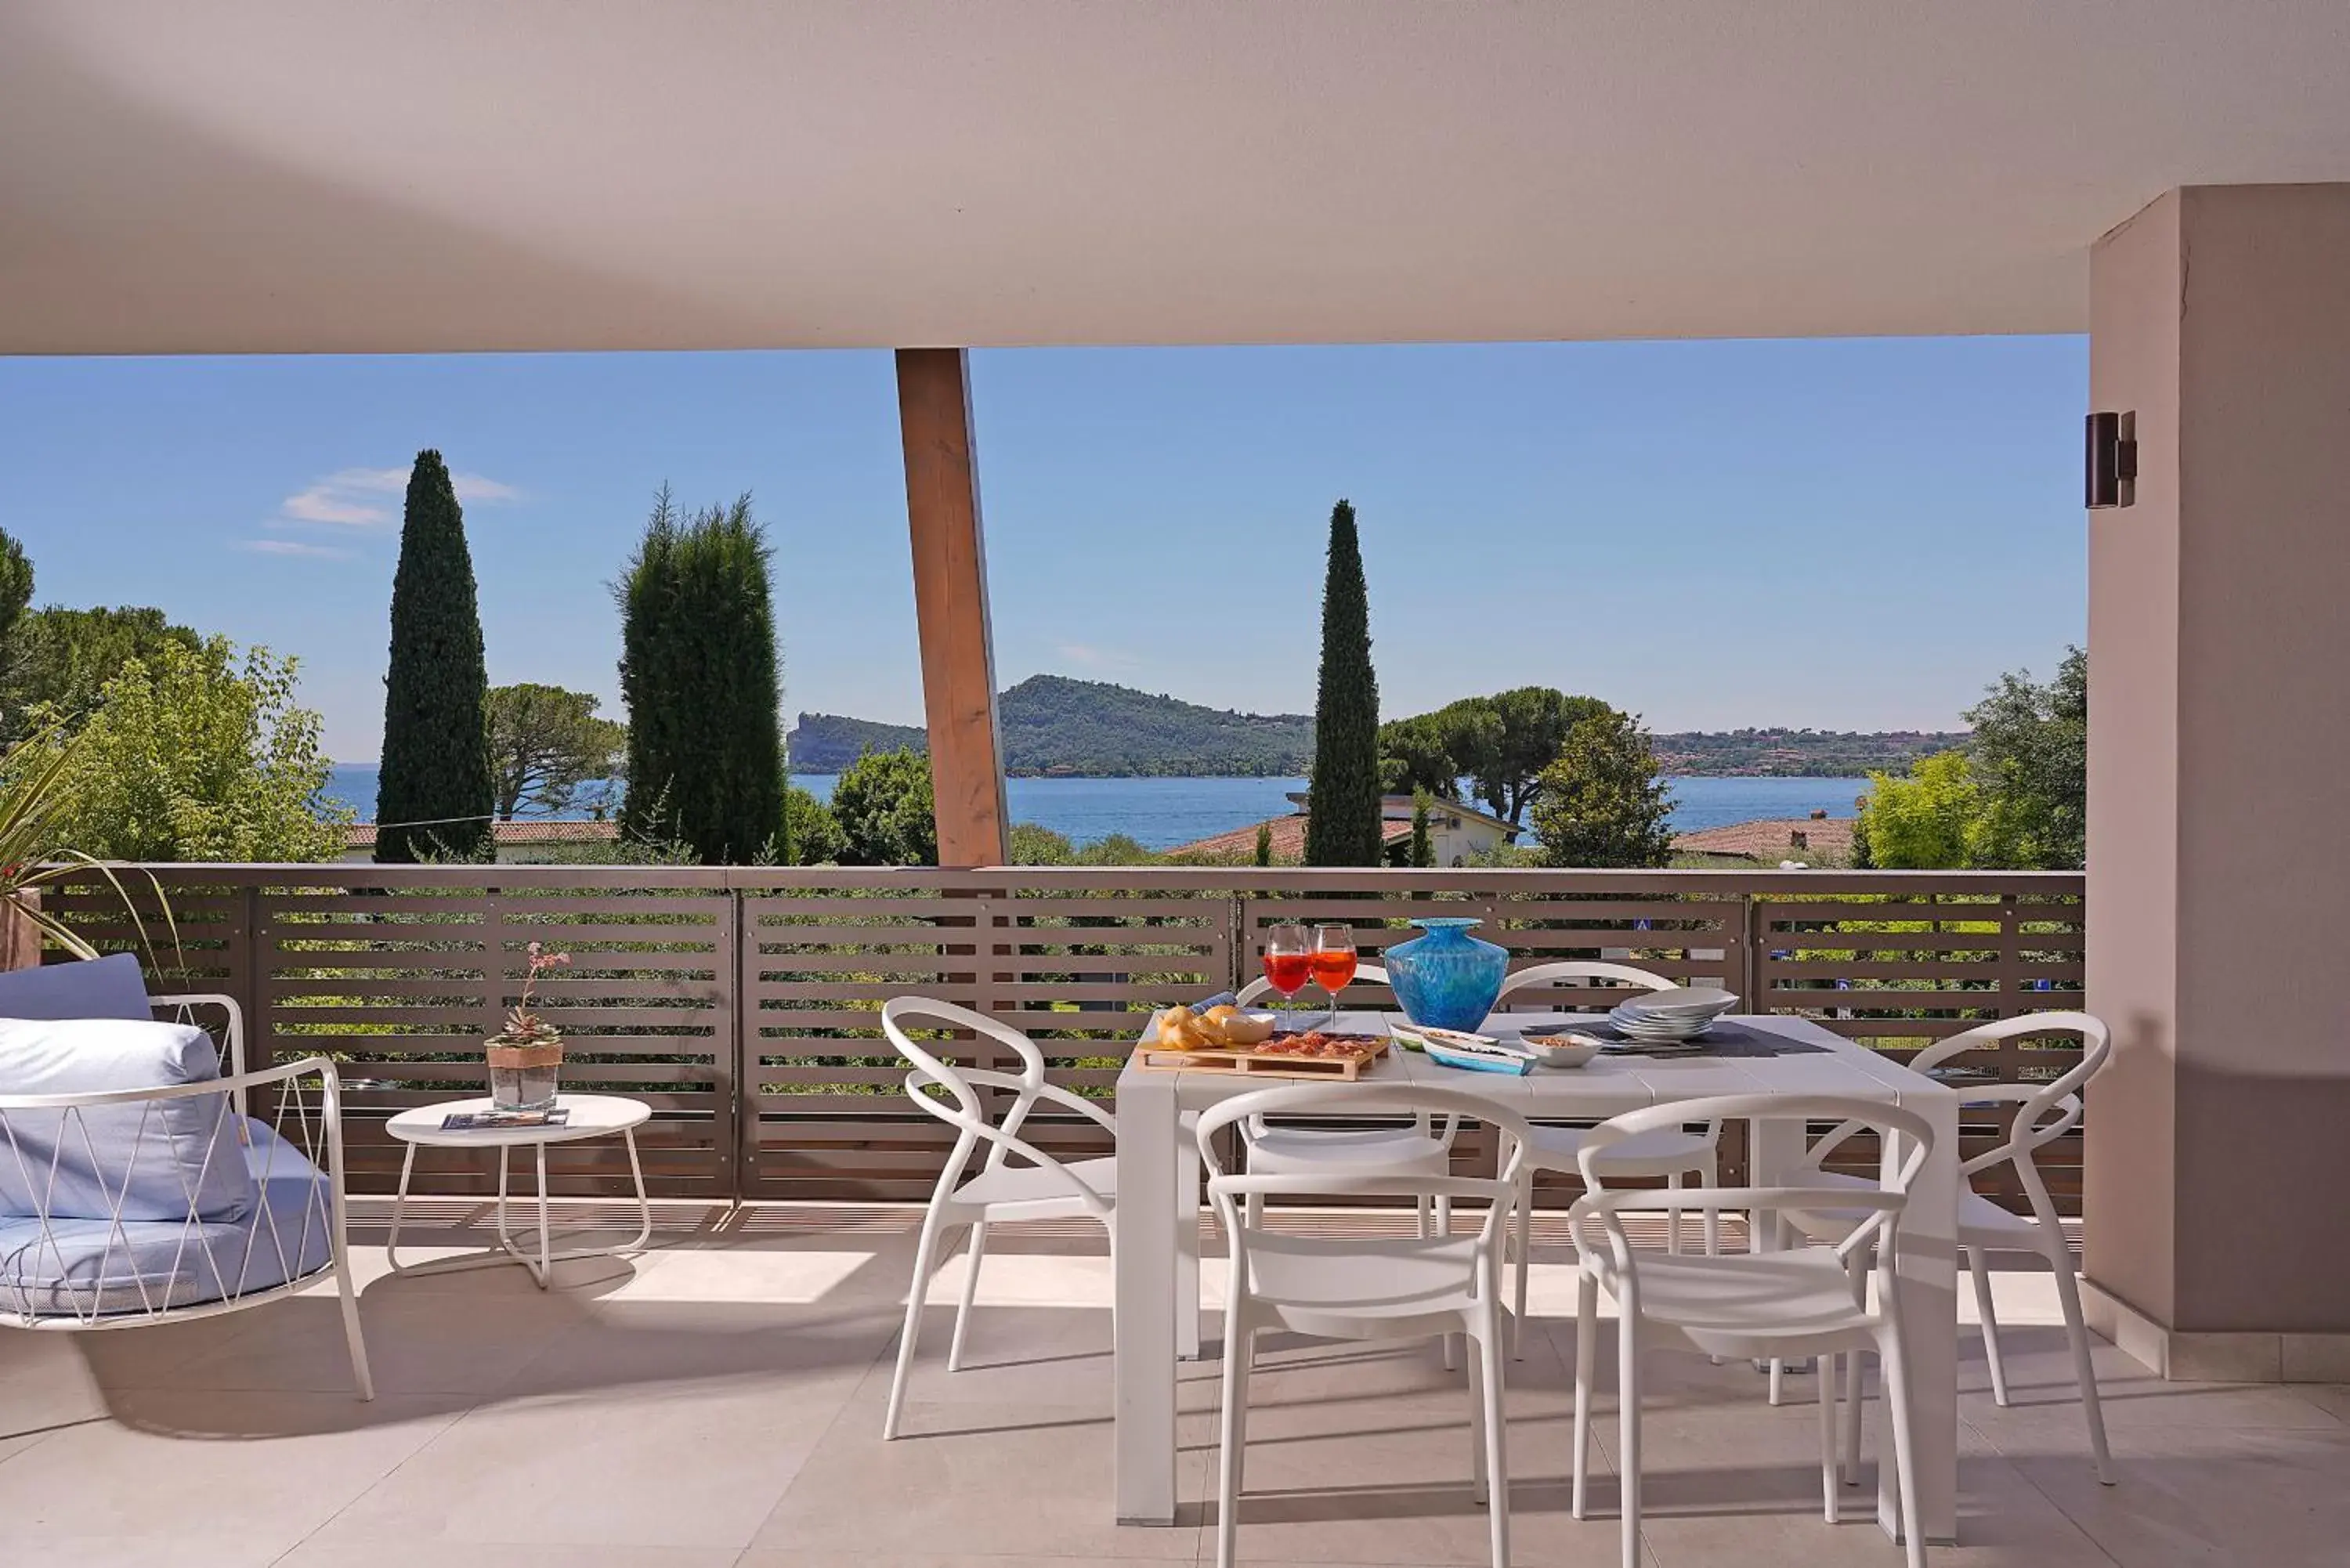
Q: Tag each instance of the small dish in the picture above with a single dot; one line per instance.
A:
(1476, 1052)
(1564, 1048)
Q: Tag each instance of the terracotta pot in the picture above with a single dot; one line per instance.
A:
(524, 1077)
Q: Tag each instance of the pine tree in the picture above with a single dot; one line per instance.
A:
(699, 674)
(1423, 845)
(1342, 826)
(433, 796)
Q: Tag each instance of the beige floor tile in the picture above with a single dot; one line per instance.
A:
(1015, 1356)
(265, 1469)
(2275, 1498)
(656, 1466)
(721, 1348)
(788, 1558)
(148, 1551)
(2333, 1398)
(1014, 1480)
(416, 1343)
(504, 1555)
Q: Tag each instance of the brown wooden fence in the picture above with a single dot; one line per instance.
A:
(744, 1003)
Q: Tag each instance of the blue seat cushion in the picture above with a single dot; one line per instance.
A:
(109, 987)
(85, 1268)
(149, 1159)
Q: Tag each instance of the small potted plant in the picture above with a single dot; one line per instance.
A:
(526, 1055)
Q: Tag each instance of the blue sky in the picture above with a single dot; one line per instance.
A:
(1851, 535)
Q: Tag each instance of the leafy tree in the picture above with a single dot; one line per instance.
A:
(1117, 849)
(1416, 755)
(1602, 802)
(2031, 754)
(812, 831)
(16, 584)
(60, 660)
(198, 756)
(1033, 844)
(1500, 744)
(1264, 853)
(699, 673)
(883, 804)
(545, 742)
(1930, 820)
(1422, 851)
(433, 793)
(1342, 828)
(1534, 724)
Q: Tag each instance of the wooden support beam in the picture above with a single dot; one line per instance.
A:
(951, 605)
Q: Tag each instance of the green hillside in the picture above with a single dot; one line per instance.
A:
(1052, 724)
(1809, 753)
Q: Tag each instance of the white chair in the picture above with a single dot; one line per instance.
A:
(1363, 1288)
(134, 1187)
(1667, 1153)
(2045, 1112)
(1421, 1147)
(1042, 1187)
(1800, 1302)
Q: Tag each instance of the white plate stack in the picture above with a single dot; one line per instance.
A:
(1670, 1017)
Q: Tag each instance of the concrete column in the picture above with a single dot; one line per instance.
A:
(2218, 882)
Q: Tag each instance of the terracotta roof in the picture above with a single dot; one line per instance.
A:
(1288, 838)
(1772, 839)
(361, 835)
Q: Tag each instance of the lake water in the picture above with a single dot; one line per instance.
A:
(1161, 812)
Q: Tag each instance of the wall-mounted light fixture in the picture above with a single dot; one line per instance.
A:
(2113, 460)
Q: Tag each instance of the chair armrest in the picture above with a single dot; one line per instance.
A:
(1013, 1083)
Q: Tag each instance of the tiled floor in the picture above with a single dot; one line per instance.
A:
(717, 1404)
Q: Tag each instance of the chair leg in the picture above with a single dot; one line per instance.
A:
(361, 1377)
(2068, 1295)
(1826, 1363)
(925, 1250)
(1712, 1173)
(1240, 1353)
(1673, 1218)
(1893, 1364)
(1587, 1352)
(1778, 1381)
(1854, 1386)
(1255, 1207)
(970, 1289)
(1627, 1422)
(1496, 1425)
(1444, 1229)
(1525, 1237)
(1981, 1272)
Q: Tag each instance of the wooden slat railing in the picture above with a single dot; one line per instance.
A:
(744, 1003)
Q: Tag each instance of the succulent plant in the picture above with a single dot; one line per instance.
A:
(523, 1026)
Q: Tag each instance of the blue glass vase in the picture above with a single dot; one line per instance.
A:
(1445, 979)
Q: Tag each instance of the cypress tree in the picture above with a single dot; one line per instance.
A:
(698, 671)
(1264, 844)
(1342, 827)
(436, 753)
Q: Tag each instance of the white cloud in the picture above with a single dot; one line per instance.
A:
(346, 498)
(293, 548)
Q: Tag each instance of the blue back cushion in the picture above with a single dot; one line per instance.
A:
(146, 1159)
(109, 987)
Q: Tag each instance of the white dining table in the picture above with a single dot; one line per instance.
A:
(1157, 1250)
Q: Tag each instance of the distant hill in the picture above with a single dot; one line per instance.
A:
(1805, 753)
(1052, 724)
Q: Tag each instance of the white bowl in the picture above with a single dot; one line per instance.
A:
(1560, 1050)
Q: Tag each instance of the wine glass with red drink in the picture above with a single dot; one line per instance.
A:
(1334, 963)
(1288, 959)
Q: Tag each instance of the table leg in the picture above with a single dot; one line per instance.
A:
(1143, 1259)
(399, 1201)
(545, 1270)
(1929, 1322)
(644, 1204)
(1187, 1240)
(1775, 1151)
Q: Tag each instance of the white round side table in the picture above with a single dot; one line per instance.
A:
(592, 1116)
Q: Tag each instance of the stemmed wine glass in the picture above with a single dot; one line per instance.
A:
(1334, 963)
(1288, 959)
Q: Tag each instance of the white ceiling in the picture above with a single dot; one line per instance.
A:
(425, 174)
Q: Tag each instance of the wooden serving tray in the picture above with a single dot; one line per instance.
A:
(1256, 1062)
